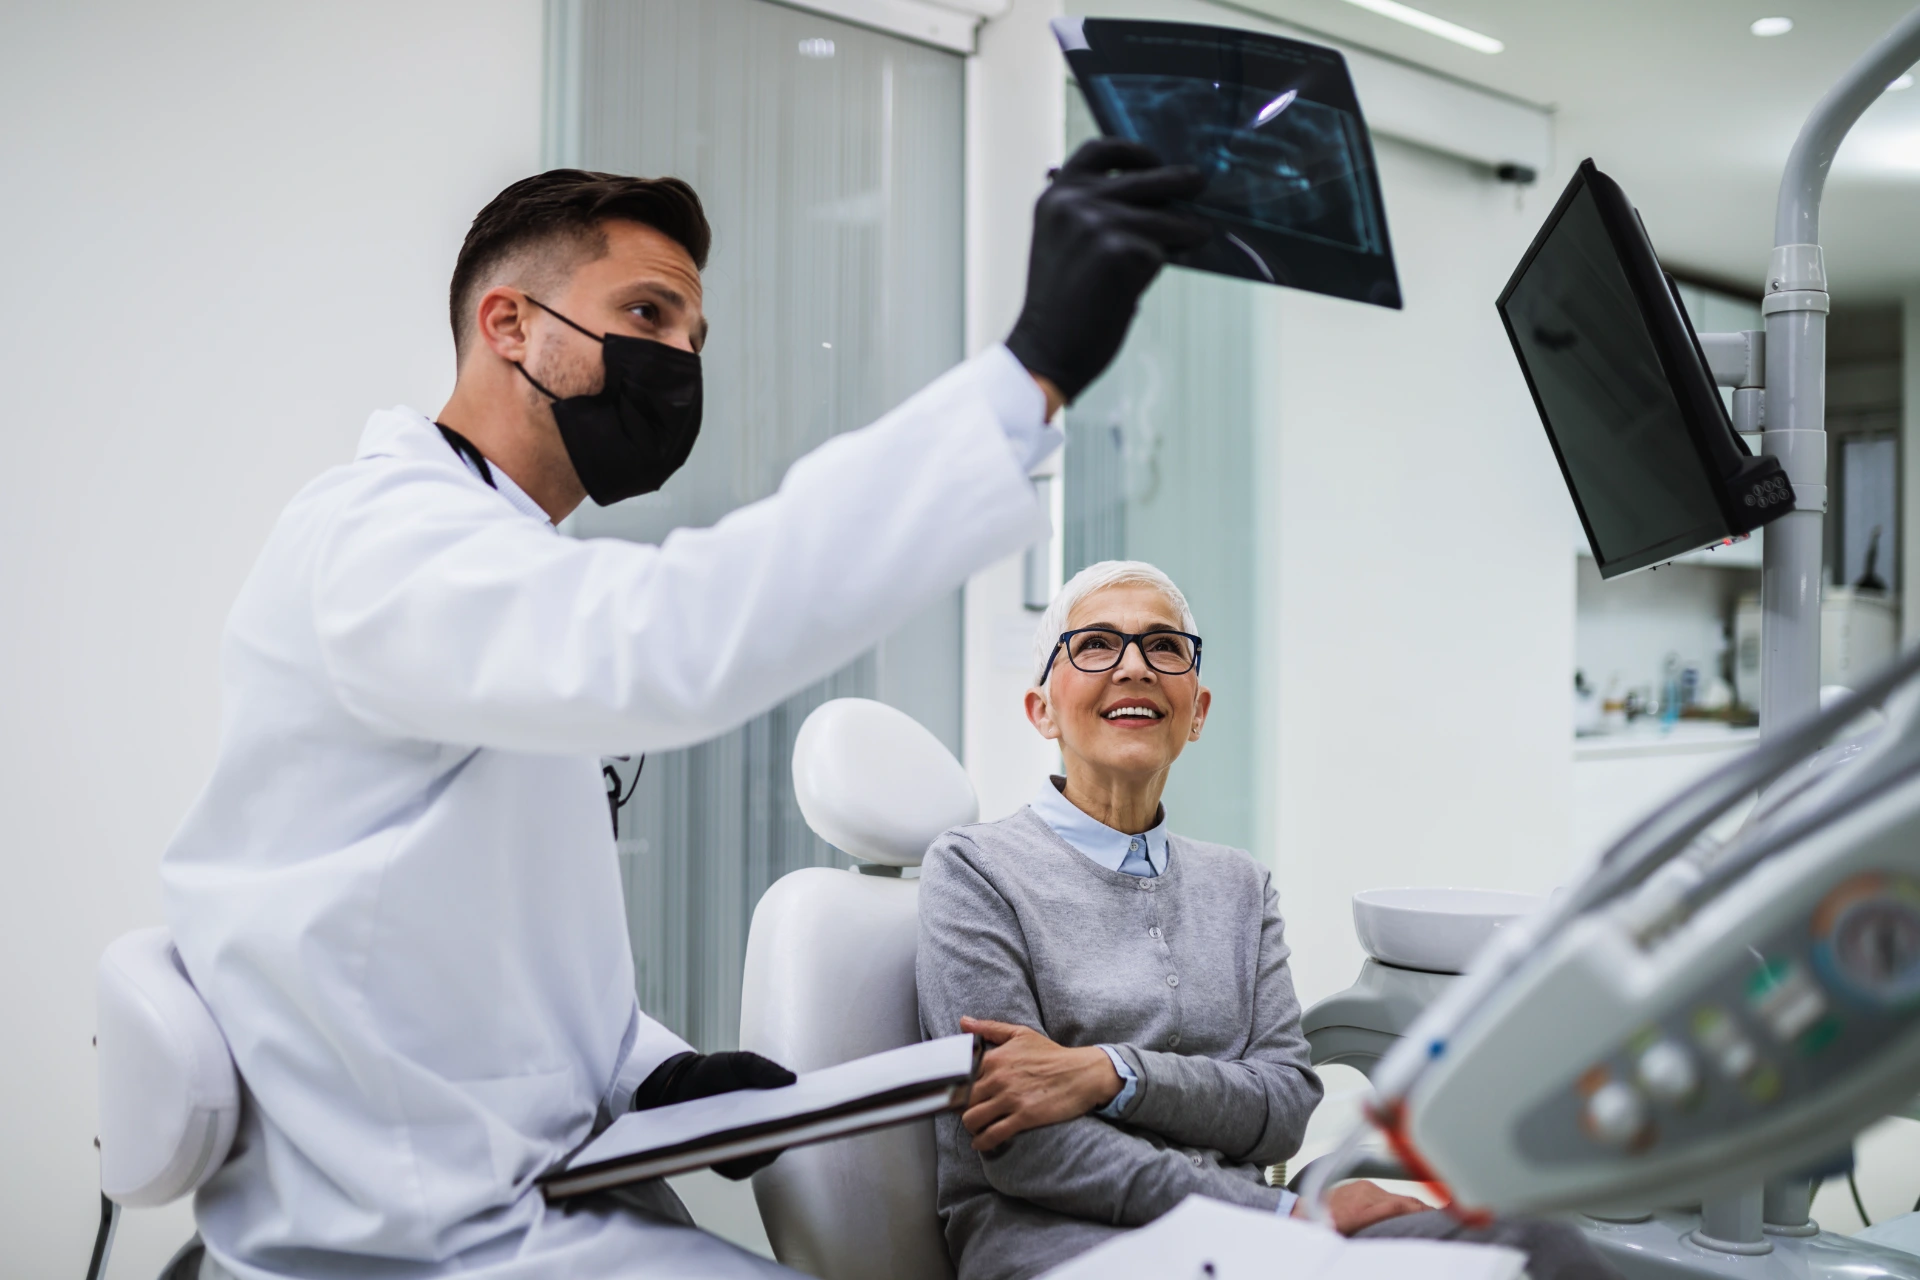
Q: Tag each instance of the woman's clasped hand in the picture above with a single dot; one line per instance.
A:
(1026, 1081)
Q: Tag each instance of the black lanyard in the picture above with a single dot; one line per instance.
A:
(464, 447)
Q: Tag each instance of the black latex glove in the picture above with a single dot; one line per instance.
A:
(1099, 238)
(687, 1076)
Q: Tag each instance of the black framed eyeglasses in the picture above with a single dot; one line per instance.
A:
(1097, 649)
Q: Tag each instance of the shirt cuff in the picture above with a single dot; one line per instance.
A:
(1287, 1200)
(1019, 404)
(1129, 1084)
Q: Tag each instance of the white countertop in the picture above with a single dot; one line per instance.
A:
(1649, 737)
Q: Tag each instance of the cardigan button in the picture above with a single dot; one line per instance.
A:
(1173, 979)
(1153, 931)
(1173, 1041)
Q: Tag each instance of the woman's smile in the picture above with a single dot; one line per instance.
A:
(1134, 713)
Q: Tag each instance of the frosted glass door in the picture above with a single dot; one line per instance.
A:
(830, 161)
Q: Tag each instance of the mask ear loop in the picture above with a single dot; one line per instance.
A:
(536, 386)
(563, 320)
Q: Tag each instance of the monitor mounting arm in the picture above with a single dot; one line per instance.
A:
(1739, 360)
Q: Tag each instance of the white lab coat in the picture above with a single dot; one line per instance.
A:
(399, 893)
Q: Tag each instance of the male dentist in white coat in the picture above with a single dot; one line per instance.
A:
(399, 893)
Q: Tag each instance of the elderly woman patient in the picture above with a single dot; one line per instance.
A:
(1133, 983)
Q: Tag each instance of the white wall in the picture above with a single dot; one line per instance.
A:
(227, 234)
(1424, 608)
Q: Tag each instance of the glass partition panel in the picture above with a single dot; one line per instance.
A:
(1159, 467)
(830, 161)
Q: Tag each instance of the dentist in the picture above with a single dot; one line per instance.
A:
(398, 892)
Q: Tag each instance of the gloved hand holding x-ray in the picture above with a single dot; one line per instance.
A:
(1101, 233)
(1292, 196)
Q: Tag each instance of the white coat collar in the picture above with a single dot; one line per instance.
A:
(401, 432)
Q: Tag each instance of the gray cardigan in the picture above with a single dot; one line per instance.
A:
(1186, 973)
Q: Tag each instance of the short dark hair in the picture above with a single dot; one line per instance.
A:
(566, 207)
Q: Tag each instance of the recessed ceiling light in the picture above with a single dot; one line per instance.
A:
(1431, 25)
(1901, 82)
(1772, 26)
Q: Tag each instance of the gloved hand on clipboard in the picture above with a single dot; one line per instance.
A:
(687, 1076)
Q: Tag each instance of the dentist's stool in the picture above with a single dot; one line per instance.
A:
(169, 1095)
(829, 977)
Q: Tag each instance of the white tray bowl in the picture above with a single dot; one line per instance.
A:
(1437, 930)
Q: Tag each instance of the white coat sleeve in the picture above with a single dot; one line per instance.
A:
(438, 619)
(646, 1046)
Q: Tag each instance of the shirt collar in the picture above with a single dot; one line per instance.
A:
(408, 433)
(1096, 839)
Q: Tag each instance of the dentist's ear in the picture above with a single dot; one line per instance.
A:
(503, 322)
(1040, 714)
(1202, 702)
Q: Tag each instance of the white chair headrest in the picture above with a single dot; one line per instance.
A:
(169, 1096)
(874, 783)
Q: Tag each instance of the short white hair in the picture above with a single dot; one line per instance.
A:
(1098, 577)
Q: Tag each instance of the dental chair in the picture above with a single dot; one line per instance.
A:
(169, 1095)
(829, 977)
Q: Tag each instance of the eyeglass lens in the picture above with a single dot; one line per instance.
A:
(1168, 652)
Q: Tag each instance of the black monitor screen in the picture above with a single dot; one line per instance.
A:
(1609, 405)
(1292, 190)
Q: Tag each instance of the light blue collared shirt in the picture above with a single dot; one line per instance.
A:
(1146, 851)
(1096, 839)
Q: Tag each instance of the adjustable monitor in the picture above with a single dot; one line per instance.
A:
(1292, 191)
(1649, 455)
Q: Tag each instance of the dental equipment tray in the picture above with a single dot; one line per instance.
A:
(894, 1087)
(1624, 390)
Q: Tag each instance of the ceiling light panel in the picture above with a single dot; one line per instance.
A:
(1771, 26)
(1431, 25)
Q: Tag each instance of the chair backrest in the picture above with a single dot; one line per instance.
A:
(874, 783)
(829, 977)
(169, 1095)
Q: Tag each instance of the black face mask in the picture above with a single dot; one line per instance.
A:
(628, 437)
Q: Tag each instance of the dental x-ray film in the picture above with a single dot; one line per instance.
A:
(1292, 189)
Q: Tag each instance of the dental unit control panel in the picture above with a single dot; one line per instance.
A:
(1778, 1028)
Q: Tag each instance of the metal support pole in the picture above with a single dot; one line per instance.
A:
(1796, 310)
(1788, 1207)
(1036, 567)
(1795, 433)
(1731, 1224)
